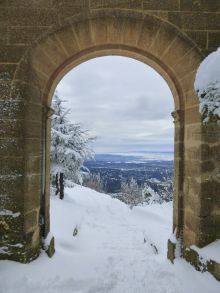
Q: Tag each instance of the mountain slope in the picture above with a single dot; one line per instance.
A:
(115, 250)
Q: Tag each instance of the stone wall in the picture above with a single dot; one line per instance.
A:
(40, 41)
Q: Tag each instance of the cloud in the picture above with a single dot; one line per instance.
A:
(122, 101)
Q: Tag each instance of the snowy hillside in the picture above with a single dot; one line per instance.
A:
(116, 250)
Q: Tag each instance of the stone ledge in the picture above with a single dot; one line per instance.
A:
(18, 253)
(201, 264)
(192, 256)
(171, 250)
(48, 245)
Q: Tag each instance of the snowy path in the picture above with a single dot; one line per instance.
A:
(109, 254)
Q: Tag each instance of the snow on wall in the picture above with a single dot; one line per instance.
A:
(209, 252)
(4, 212)
(47, 241)
(207, 86)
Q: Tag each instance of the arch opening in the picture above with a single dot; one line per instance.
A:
(69, 93)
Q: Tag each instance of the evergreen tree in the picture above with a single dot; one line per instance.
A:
(70, 145)
(210, 103)
(131, 193)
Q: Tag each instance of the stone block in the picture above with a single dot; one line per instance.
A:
(67, 10)
(32, 183)
(191, 221)
(167, 5)
(31, 220)
(214, 268)
(11, 53)
(160, 14)
(149, 31)
(194, 20)
(33, 164)
(171, 250)
(82, 31)
(49, 245)
(176, 50)
(99, 30)
(24, 35)
(34, 113)
(135, 4)
(163, 39)
(210, 188)
(21, 247)
(3, 35)
(54, 50)
(12, 109)
(202, 264)
(115, 30)
(191, 98)
(11, 166)
(213, 40)
(32, 146)
(188, 63)
(189, 237)
(11, 128)
(192, 168)
(32, 4)
(41, 63)
(11, 146)
(193, 135)
(199, 5)
(210, 133)
(20, 16)
(33, 94)
(12, 222)
(199, 37)
(32, 200)
(33, 129)
(192, 115)
(67, 38)
(8, 70)
(131, 31)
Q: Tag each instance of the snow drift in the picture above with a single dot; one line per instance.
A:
(102, 246)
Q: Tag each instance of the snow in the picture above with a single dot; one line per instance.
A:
(47, 241)
(207, 85)
(173, 237)
(208, 71)
(4, 212)
(115, 250)
(209, 252)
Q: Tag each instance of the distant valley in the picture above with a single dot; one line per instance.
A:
(152, 169)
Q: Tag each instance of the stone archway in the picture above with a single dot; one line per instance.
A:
(99, 33)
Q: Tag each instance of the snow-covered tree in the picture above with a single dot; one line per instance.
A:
(131, 193)
(70, 145)
(207, 86)
(151, 196)
(94, 181)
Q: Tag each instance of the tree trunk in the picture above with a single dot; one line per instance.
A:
(57, 183)
(61, 186)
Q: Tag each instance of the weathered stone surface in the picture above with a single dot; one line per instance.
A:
(201, 264)
(171, 250)
(50, 247)
(168, 5)
(200, 5)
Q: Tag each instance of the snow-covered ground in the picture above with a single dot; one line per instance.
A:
(116, 250)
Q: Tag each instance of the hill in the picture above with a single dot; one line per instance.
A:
(102, 246)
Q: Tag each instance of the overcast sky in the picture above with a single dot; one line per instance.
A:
(124, 102)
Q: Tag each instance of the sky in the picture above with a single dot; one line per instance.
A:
(126, 104)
